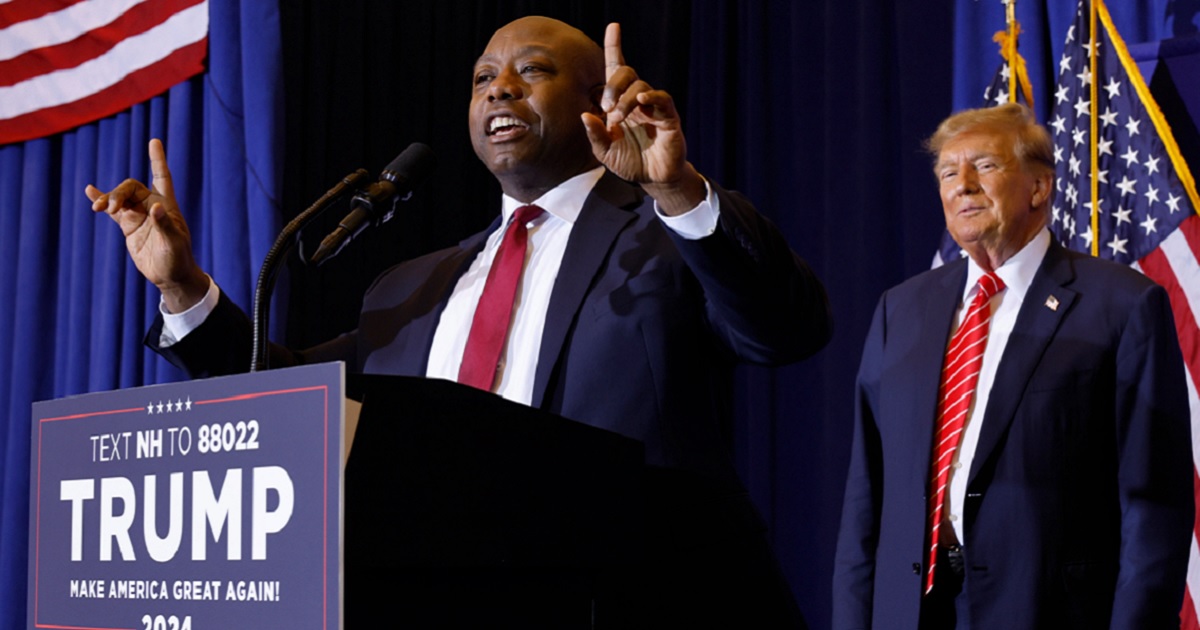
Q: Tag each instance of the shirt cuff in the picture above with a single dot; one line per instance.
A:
(176, 326)
(698, 222)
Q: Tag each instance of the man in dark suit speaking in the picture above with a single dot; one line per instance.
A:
(1022, 451)
(631, 306)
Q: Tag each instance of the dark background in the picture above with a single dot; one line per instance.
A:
(814, 109)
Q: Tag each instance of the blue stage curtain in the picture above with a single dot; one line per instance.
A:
(74, 307)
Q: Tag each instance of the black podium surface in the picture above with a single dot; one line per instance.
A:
(462, 508)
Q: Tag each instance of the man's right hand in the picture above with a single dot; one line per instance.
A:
(156, 234)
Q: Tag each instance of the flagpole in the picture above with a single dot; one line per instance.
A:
(1010, 16)
(1095, 151)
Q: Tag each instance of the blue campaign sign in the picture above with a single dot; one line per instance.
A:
(209, 504)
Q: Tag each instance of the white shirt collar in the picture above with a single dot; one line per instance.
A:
(564, 201)
(1017, 272)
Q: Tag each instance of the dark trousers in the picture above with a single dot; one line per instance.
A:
(944, 608)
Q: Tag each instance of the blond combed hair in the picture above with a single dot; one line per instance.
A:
(1031, 142)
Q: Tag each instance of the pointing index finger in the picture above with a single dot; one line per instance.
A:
(613, 58)
(158, 167)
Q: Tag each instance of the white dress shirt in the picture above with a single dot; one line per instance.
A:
(1017, 273)
(548, 236)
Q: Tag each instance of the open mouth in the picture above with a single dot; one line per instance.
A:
(503, 127)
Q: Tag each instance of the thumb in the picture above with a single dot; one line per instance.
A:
(597, 134)
(160, 220)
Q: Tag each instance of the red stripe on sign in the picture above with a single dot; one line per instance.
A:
(135, 88)
(23, 10)
(91, 44)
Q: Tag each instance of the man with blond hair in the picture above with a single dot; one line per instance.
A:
(1022, 451)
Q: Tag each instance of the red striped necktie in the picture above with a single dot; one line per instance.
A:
(960, 373)
(489, 327)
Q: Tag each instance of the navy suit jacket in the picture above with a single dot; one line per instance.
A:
(642, 331)
(1079, 505)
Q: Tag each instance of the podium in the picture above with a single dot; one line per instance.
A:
(218, 502)
(464, 508)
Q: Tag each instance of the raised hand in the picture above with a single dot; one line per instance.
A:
(156, 234)
(641, 138)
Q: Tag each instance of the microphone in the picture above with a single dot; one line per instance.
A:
(398, 179)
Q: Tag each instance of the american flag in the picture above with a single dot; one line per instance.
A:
(1146, 197)
(64, 63)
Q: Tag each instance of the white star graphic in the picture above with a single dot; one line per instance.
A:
(1173, 203)
(1102, 176)
(1105, 147)
(1071, 34)
(1088, 205)
(1064, 64)
(1109, 117)
(1074, 165)
(1058, 153)
(178, 405)
(1126, 185)
(1082, 107)
(1078, 136)
(1113, 87)
(187, 404)
(1122, 216)
(1001, 97)
(159, 407)
(1130, 157)
(1055, 214)
(1059, 123)
(150, 408)
(1005, 72)
(1149, 224)
(1151, 164)
(1132, 125)
(1072, 195)
(1151, 194)
(1087, 237)
(1084, 77)
(1118, 245)
(1061, 95)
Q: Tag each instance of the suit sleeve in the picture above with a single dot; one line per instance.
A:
(762, 300)
(854, 562)
(1155, 470)
(223, 343)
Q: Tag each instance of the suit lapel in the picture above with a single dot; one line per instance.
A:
(605, 213)
(1036, 325)
(442, 280)
(921, 371)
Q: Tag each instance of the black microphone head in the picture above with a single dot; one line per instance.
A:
(412, 165)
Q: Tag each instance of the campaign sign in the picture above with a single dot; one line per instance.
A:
(206, 505)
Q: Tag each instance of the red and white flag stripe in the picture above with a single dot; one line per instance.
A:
(1176, 266)
(64, 63)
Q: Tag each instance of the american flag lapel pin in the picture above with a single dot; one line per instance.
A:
(1052, 303)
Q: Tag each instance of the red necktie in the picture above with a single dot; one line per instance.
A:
(960, 373)
(489, 327)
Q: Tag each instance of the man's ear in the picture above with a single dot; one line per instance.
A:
(1043, 182)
